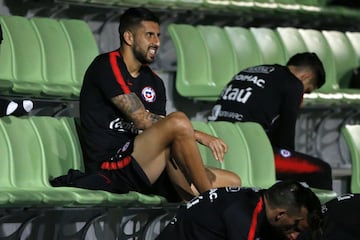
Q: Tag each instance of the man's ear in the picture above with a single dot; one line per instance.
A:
(128, 38)
(279, 214)
(306, 75)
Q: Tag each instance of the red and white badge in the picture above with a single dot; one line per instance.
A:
(148, 94)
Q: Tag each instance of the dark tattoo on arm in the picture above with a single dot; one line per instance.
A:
(129, 103)
(134, 109)
(154, 117)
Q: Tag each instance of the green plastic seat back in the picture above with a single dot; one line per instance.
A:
(344, 56)
(192, 79)
(25, 152)
(351, 135)
(83, 47)
(6, 60)
(219, 54)
(261, 154)
(271, 49)
(5, 149)
(26, 54)
(315, 42)
(237, 158)
(205, 152)
(245, 50)
(354, 38)
(291, 40)
(61, 150)
(56, 56)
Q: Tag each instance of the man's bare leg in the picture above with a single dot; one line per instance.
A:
(175, 133)
(173, 136)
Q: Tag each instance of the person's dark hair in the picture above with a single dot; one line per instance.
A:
(1, 35)
(133, 17)
(312, 61)
(292, 195)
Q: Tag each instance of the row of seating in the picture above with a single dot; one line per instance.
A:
(44, 57)
(209, 56)
(269, 6)
(255, 166)
(38, 148)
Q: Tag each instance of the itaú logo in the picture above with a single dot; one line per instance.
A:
(236, 94)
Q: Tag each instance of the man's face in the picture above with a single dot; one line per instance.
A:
(146, 42)
(290, 225)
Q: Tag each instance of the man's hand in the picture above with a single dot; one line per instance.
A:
(217, 145)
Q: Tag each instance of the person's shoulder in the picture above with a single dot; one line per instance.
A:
(147, 70)
(102, 57)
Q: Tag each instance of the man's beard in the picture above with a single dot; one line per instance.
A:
(141, 57)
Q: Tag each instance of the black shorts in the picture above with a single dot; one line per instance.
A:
(122, 174)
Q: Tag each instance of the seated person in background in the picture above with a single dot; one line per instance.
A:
(285, 209)
(130, 145)
(271, 95)
(341, 219)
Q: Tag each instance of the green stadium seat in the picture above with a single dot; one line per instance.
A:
(217, 4)
(158, 3)
(271, 48)
(83, 48)
(205, 152)
(266, 4)
(316, 42)
(243, 4)
(261, 154)
(245, 50)
(25, 164)
(345, 61)
(288, 5)
(238, 157)
(103, 2)
(291, 40)
(27, 63)
(262, 162)
(58, 80)
(192, 79)
(6, 74)
(354, 38)
(351, 134)
(10, 195)
(293, 43)
(62, 151)
(190, 4)
(219, 56)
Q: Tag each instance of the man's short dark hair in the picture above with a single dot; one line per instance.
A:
(1, 34)
(133, 17)
(292, 195)
(312, 61)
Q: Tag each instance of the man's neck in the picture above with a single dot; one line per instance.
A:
(132, 64)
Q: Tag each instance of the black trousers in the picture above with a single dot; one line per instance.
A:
(298, 166)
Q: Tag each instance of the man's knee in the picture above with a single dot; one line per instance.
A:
(179, 122)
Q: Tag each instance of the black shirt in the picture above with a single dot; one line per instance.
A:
(105, 127)
(219, 214)
(264, 94)
(342, 218)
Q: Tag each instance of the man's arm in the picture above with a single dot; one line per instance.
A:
(217, 146)
(134, 110)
